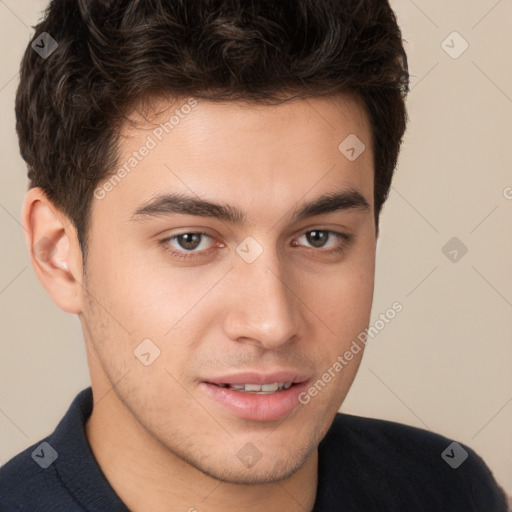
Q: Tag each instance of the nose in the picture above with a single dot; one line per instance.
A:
(262, 308)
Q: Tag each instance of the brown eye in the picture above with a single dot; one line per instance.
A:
(192, 243)
(189, 241)
(317, 238)
(325, 240)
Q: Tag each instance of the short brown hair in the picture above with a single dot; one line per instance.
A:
(71, 105)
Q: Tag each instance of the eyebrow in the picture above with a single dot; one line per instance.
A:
(168, 204)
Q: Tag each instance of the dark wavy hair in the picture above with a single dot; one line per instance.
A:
(112, 54)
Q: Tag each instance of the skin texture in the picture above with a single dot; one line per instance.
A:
(160, 440)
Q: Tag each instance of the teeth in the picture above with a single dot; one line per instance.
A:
(237, 387)
(249, 388)
(257, 388)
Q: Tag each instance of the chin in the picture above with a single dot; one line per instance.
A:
(261, 473)
(250, 466)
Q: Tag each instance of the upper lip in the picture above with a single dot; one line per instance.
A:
(253, 377)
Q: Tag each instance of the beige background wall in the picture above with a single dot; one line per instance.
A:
(444, 362)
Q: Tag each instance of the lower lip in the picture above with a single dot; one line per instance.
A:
(252, 406)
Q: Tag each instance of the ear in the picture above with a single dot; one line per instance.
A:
(54, 250)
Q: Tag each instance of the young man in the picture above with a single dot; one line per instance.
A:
(206, 179)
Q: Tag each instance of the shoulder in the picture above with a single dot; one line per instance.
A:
(396, 462)
(29, 479)
(39, 478)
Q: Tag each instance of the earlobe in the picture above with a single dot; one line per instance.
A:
(54, 250)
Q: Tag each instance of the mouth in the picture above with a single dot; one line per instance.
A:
(263, 389)
(255, 396)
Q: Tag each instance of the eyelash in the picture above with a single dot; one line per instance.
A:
(193, 255)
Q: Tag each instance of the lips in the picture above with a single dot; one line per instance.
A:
(257, 396)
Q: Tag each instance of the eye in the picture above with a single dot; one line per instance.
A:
(330, 241)
(185, 245)
(190, 241)
(192, 245)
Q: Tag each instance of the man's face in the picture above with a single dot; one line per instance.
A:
(270, 292)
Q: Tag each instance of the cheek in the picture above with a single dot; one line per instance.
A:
(142, 298)
(342, 299)
(171, 307)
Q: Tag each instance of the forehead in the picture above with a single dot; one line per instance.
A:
(320, 122)
(335, 111)
(240, 151)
